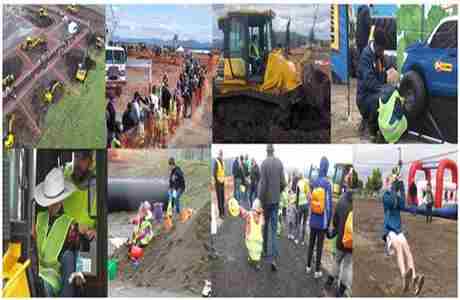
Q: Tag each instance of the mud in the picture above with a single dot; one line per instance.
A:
(434, 247)
(13, 65)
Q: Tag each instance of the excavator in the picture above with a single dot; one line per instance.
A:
(256, 83)
(43, 12)
(9, 137)
(72, 8)
(23, 168)
(48, 95)
(82, 69)
(33, 42)
(8, 80)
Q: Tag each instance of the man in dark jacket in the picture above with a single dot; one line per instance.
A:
(363, 28)
(372, 77)
(255, 177)
(343, 256)
(176, 184)
(237, 178)
(272, 182)
(129, 118)
(110, 117)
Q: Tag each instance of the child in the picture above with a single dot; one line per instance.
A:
(291, 218)
(143, 232)
(253, 236)
(428, 200)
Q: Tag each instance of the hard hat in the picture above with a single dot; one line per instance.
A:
(233, 207)
(136, 252)
(242, 188)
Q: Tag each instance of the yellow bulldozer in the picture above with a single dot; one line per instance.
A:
(32, 42)
(72, 8)
(8, 136)
(50, 92)
(43, 12)
(8, 80)
(257, 85)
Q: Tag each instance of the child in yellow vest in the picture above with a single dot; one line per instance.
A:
(253, 232)
(143, 233)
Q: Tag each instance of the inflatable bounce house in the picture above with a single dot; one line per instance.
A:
(444, 188)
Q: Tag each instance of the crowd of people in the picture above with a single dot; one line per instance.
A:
(164, 106)
(296, 207)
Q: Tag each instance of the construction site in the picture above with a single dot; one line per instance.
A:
(53, 83)
(175, 261)
(278, 88)
(152, 70)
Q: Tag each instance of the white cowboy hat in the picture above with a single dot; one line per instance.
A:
(53, 189)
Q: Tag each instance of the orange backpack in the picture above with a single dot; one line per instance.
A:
(318, 201)
(347, 239)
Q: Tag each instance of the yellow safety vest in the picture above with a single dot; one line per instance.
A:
(146, 224)
(254, 240)
(303, 191)
(220, 171)
(49, 246)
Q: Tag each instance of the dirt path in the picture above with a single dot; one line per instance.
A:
(434, 248)
(233, 277)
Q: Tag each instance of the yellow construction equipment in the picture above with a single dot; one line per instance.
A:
(72, 8)
(82, 70)
(8, 80)
(43, 12)
(9, 138)
(50, 92)
(33, 42)
(15, 273)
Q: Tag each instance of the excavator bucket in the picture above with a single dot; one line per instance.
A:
(14, 273)
(280, 74)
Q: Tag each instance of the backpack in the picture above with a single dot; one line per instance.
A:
(347, 238)
(318, 201)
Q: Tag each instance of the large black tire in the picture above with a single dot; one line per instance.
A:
(412, 88)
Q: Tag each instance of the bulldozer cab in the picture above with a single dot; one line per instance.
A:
(248, 40)
(23, 169)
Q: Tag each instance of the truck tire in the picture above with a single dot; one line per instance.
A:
(412, 88)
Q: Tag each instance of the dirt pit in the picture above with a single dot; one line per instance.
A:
(175, 261)
(434, 247)
(12, 65)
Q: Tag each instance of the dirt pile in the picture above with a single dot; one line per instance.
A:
(175, 261)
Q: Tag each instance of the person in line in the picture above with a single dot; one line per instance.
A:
(56, 235)
(237, 178)
(111, 123)
(245, 181)
(342, 228)
(176, 184)
(254, 179)
(291, 218)
(429, 201)
(129, 118)
(272, 182)
(303, 196)
(395, 240)
(219, 181)
(372, 78)
(320, 217)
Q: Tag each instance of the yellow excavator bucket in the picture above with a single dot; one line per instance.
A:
(280, 73)
(14, 272)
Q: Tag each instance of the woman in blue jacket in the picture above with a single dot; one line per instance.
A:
(395, 241)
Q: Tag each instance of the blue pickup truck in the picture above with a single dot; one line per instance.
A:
(429, 69)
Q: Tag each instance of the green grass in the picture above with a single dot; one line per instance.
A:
(78, 119)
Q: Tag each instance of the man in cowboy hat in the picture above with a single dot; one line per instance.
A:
(81, 174)
(56, 235)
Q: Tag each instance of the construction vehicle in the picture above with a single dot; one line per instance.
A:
(8, 81)
(33, 43)
(23, 169)
(50, 92)
(257, 78)
(72, 8)
(100, 43)
(43, 12)
(340, 171)
(82, 69)
(8, 137)
(115, 68)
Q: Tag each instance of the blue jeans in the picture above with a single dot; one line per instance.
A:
(271, 219)
(175, 201)
(68, 264)
(236, 188)
(252, 194)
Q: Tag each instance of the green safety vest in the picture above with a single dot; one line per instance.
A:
(254, 241)
(284, 199)
(49, 245)
(391, 132)
(303, 190)
(148, 237)
(254, 50)
(76, 205)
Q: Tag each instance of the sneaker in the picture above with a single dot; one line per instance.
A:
(407, 280)
(418, 282)
(318, 274)
(308, 269)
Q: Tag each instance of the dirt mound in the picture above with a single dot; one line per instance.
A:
(12, 65)
(175, 261)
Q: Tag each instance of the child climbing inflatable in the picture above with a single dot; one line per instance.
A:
(395, 241)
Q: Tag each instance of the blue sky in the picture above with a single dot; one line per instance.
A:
(163, 21)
